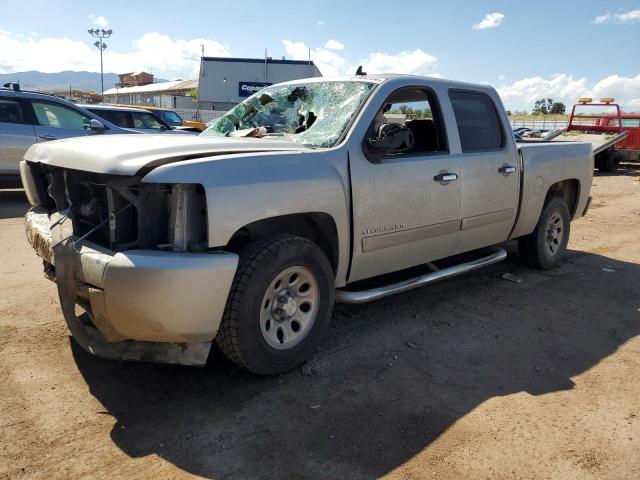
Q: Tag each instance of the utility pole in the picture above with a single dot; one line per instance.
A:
(200, 83)
(100, 45)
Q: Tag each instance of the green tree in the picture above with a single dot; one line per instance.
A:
(558, 108)
(546, 106)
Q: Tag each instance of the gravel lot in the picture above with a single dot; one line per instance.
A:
(475, 377)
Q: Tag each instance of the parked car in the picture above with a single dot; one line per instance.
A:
(246, 234)
(521, 131)
(172, 118)
(132, 118)
(30, 117)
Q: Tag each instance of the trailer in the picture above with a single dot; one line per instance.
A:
(602, 129)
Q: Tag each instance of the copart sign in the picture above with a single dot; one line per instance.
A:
(246, 89)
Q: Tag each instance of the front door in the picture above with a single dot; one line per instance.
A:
(56, 121)
(406, 206)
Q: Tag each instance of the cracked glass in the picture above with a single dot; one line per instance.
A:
(314, 114)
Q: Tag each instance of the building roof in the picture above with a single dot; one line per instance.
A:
(276, 61)
(155, 87)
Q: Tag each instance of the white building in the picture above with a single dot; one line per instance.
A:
(224, 82)
(165, 94)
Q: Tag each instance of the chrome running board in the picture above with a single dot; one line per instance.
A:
(364, 296)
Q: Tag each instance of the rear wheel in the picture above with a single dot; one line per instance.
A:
(279, 306)
(546, 246)
(609, 161)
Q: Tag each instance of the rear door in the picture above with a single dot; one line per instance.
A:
(16, 135)
(490, 171)
(55, 121)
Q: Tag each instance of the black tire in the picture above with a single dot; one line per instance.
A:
(609, 161)
(240, 336)
(538, 249)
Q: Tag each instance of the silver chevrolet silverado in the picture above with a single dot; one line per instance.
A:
(307, 193)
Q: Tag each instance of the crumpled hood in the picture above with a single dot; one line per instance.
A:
(129, 154)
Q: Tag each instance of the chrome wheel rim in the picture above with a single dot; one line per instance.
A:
(289, 307)
(554, 234)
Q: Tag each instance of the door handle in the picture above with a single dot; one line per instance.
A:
(48, 137)
(507, 169)
(445, 177)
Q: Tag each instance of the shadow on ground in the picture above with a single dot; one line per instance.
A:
(390, 378)
(626, 169)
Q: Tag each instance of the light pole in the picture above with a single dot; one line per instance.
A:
(100, 45)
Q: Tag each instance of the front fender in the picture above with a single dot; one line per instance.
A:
(245, 188)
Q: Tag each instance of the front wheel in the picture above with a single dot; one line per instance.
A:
(279, 306)
(546, 246)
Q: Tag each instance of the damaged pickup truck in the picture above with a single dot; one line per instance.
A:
(306, 193)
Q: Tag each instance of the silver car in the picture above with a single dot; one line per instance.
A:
(30, 117)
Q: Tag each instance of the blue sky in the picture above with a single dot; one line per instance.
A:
(527, 49)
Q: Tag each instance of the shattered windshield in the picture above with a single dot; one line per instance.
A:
(314, 114)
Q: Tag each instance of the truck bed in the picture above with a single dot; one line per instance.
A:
(599, 141)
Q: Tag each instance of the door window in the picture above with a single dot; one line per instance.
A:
(59, 116)
(172, 118)
(416, 110)
(631, 122)
(146, 120)
(478, 122)
(120, 118)
(10, 111)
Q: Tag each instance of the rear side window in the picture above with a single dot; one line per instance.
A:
(478, 122)
(10, 111)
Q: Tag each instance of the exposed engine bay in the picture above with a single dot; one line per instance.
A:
(121, 212)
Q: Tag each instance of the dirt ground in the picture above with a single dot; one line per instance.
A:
(475, 377)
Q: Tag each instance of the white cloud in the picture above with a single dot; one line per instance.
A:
(491, 20)
(502, 78)
(620, 17)
(332, 63)
(334, 45)
(328, 61)
(99, 20)
(521, 94)
(416, 62)
(320, 23)
(170, 58)
(626, 90)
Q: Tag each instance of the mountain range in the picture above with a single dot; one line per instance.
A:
(86, 81)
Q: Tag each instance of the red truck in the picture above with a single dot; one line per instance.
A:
(629, 147)
(604, 126)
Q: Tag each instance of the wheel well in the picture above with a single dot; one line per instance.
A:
(318, 227)
(567, 190)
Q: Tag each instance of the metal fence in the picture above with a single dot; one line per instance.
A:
(544, 123)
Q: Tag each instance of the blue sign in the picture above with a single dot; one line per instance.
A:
(246, 89)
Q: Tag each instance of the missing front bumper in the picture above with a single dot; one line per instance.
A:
(144, 305)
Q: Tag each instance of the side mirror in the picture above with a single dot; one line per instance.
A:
(96, 125)
(391, 138)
